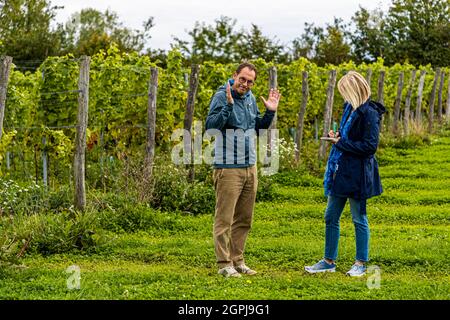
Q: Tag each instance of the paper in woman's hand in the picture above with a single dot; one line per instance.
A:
(334, 140)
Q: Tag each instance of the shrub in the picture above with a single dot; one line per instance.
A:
(298, 178)
(266, 188)
(48, 233)
(170, 190)
(31, 198)
(405, 142)
(15, 198)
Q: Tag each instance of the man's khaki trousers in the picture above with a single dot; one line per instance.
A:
(235, 200)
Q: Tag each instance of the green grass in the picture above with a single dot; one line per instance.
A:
(173, 258)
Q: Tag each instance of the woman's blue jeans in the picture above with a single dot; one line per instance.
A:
(332, 219)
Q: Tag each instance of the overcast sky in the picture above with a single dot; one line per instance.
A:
(280, 19)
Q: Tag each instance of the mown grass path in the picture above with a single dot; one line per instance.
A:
(410, 243)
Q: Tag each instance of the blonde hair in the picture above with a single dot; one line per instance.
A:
(354, 88)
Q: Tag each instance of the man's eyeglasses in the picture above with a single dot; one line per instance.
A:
(242, 80)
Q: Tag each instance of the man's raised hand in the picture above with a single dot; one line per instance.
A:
(229, 96)
(272, 102)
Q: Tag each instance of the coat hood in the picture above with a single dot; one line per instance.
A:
(378, 107)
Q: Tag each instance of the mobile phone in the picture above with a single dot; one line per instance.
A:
(328, 138)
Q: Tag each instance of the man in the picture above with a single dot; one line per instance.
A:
(233, 111)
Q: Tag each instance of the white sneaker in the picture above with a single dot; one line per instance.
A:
(357, 271)
(229, 272)
(321, 266)
(245, 270)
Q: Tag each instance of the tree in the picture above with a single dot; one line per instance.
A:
(323, 45)
(222, 43)
(211, 42)
(25, 30)
(418, 31)
(253, 44)
(368, 40)
(333, 48)
(306, 45)
(90, 30)
(159, 56)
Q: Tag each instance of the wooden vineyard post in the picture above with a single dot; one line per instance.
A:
(273, 84)
(441, 88)
(398, 101)
(447, 113)
(80, 137)
(301, 116)
(432, 100)
(151, 125)
(369, 76)
(408, 103)
(327, 113)
(380, 95)
(419, 98)
(5, 67)
(188, 119)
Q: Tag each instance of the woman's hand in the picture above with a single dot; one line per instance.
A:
(331, 134)
(336, 140)
(336, 137)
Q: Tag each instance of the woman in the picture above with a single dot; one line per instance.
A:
(352, 171)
